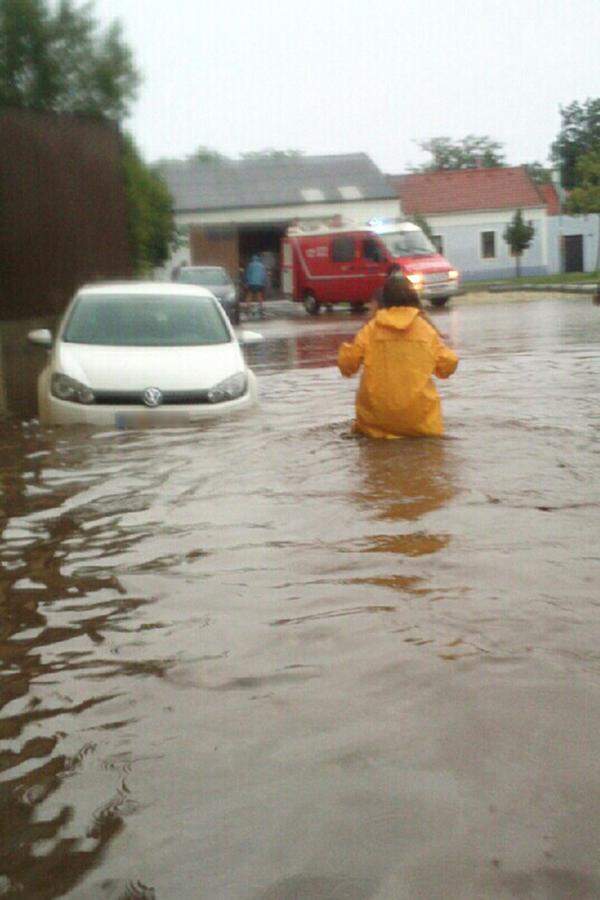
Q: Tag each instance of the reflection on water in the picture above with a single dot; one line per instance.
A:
(44, 627)
(267, 658)
(407, 479)
(306, 350)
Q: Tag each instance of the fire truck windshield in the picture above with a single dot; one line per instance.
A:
(408, 243)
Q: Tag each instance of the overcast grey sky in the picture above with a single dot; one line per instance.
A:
(340, 76)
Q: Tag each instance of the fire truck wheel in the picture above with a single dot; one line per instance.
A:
(358, 308)
(311, 305)
(439, 301)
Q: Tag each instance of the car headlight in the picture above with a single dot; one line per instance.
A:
(230, 296)
(453, 274)
(230, 389)
(65, 388)
(416, 279)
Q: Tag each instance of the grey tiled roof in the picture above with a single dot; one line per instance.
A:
(235, 184)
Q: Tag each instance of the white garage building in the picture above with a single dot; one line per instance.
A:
(228, 210)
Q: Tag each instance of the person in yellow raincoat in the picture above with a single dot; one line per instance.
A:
(399, 351)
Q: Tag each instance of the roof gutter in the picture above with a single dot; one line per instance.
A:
(207, 209)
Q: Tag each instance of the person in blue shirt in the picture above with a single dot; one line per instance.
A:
(256, 279)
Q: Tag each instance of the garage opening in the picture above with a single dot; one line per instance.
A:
(266, 241)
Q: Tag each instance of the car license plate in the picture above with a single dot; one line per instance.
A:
(434, 277)
(131, 420)
(147, 420)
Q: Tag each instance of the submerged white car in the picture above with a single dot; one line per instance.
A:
(138, 354)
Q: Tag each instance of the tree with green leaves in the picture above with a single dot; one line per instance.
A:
(470, 152)
(539, 173)
(420, 220)
(206, 154)
(585, 198)
(579, 135)
(272, 153)
(518, 234)
(56, 59)
(152, 231)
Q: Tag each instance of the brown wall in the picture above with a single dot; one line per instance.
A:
(215, 247)
(63, 210)
(20, 365)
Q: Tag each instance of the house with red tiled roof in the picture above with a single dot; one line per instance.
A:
(468, 190)
(468, 211)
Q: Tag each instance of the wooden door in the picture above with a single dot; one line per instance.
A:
(574, 253)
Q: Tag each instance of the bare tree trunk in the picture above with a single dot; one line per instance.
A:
(518, 264)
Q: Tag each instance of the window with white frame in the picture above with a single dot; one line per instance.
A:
(488, 244)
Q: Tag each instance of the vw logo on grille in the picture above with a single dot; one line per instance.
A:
(152, 397)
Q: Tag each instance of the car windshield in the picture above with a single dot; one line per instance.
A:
(204, 276)
(145, 321)
(408, 243)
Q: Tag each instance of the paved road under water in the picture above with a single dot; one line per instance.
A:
(265, 659)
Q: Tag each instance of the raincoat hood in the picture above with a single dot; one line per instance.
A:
(397, 317)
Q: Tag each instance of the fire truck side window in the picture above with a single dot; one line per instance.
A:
(371, 250)
(342, 249)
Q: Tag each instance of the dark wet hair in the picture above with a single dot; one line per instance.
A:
(398, 291)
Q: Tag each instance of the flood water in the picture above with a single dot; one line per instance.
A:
(264, 659)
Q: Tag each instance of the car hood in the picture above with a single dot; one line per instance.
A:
(426, 264)
(136, 368)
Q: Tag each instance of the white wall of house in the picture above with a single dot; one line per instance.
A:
(462, 243)
(561, 226)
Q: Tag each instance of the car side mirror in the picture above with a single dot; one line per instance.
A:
(250, 337)
(41, 336)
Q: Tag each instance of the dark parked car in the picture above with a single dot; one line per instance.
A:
(218, 282)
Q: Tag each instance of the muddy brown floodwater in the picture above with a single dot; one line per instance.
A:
(263, 659)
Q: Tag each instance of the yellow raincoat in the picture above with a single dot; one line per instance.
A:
(400, 351)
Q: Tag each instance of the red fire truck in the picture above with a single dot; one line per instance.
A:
(329, 264)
